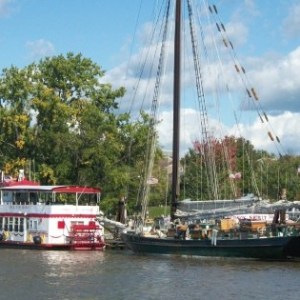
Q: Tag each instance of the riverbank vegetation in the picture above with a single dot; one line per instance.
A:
(61, 125)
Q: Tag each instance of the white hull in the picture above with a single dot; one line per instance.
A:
(48, 224)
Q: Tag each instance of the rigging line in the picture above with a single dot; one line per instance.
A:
(143, 63)
(233, 186)
(224, 147)
(237, 123)
(202, 102)
(208, 154)
(245, 151)
(144, 57)
(152, 134)
(131, 48)
(219, 60)
(130, 58)
(152, 65)
(242, 73)
(202, 153)
(225, 151)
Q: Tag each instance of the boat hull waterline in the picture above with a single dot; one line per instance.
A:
(63, 247)
(262, 248)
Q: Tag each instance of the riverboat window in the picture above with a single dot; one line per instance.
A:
(21, 198)
(16, 225)
(45, 198)
(77, 223)
(21, 228)
(5, 224)
(10, 224)
(7, 197)
(33, 224)
(33, 198)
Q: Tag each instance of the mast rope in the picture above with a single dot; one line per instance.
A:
(152, 134)
(250, 91)
(207, 147)
(225, 149)
(213, 10)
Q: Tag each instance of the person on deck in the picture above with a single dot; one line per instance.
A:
(181, 230)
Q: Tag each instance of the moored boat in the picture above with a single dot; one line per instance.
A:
(52, 217)
(248, 239)
(257, 248)
(228, 237)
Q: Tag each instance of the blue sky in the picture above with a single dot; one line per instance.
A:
(113, 33)
(98, 29)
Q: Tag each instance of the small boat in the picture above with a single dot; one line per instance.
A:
(49, 217)
(216, 238)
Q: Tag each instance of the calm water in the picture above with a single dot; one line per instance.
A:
(119, 274)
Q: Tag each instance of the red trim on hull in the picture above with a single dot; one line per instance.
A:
(20, 245)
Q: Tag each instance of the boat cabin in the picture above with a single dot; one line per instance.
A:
(60, 217)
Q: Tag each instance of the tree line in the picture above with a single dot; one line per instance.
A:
(58, 122)
(241, 169)
(61, 125)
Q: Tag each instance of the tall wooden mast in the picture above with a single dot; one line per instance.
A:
(176, 109)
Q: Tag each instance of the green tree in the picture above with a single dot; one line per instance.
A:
(260, 172)
(57, 115)
(15, 118)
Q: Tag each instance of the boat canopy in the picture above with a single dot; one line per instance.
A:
(76, 189)
(11, 182)
(66, 189)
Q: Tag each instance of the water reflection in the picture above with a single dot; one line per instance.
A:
(123, 275)
(69, 263)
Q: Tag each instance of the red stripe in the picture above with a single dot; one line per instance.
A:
(47, 216)
(14, 244)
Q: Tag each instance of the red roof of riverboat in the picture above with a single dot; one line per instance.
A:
(18, 183)
(67, 189)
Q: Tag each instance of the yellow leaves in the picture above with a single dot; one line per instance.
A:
(16, 121)
(13, 167)
(47, 174)
(21, 121)
(16, 125)
(7, 168)
(22, 118)
(20, 144)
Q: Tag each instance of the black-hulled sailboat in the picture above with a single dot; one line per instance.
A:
(216, 239)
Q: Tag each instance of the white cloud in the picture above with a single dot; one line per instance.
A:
(237, 33)
(190, 129)
(6, 8)
(277, 84)
(251, 7)
(39, 49)
(274, 77)
(284, 126)
(189, 132)
(277, 81)
(291, 24)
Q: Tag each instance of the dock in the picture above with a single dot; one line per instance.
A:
(115, 244)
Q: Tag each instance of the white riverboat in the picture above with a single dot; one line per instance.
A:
(56, 217)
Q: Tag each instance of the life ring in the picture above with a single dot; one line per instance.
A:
(37, 239)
